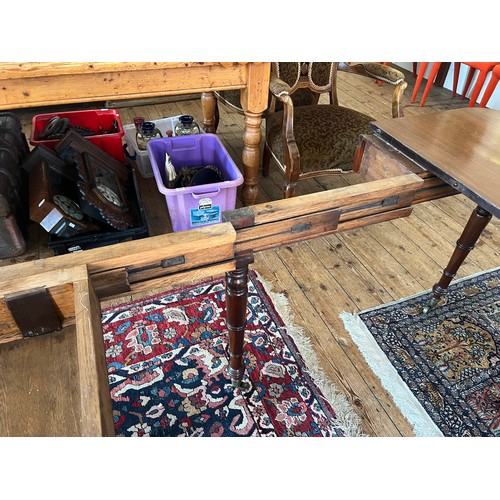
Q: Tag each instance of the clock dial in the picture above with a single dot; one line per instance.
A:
(68, 206)
(109, 194)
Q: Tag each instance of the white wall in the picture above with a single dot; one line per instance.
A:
(493, 103)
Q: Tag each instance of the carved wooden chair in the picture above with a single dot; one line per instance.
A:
(307, 139)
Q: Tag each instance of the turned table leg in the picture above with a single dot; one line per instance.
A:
(477, 222)
(251, 156)
(236, 309)
(252, 136)
(208, 109)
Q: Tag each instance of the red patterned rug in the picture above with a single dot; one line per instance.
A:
(441, 368)
(167, 363)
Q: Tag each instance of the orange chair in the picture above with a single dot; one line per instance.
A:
(432, 76)
(495, 76)
(483, 67)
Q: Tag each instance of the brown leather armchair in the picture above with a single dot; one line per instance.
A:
(307, 139)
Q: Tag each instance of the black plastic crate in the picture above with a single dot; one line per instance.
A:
(87, 241)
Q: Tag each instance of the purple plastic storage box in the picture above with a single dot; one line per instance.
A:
(202, 205)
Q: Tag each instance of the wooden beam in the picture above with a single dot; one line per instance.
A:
(197, 247)
(95, 399)
(56, 384)
(45, 84)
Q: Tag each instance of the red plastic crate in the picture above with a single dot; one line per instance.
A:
(97, 120)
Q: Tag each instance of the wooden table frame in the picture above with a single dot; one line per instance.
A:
(160, 262)
(42, 84)
(163, 261)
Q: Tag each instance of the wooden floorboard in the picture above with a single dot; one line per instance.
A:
(350, 271)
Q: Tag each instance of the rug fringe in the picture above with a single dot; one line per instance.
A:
(410, 407)
(348, 420)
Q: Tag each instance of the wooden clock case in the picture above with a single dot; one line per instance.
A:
(53, 195)
(101, 183)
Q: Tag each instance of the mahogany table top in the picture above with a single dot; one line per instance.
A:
(460, 146)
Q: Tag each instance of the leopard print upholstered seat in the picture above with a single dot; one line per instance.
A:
(326, 137)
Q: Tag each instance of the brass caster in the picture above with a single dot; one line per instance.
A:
(239, 384)
(433, 302)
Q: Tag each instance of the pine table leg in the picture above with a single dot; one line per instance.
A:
(208, 108)
(251, 156)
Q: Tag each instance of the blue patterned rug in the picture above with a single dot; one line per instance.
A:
(441, 368)
(167, 363)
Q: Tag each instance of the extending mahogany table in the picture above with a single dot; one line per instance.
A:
(29, 84)
(461, 147)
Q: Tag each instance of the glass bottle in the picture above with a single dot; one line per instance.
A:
(138, 121)
(186, 126)
(147, 132)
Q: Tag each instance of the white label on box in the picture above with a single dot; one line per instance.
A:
(205, 213)
(205, 204)
(51, 219)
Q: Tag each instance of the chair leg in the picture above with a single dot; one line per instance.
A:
(420, 76)
(266, 160)
(216, 116)
(456, 74)
(292, 173)
(489, 90)
(477, 88)
(470, 75)
(289, 189)
(430, 82)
